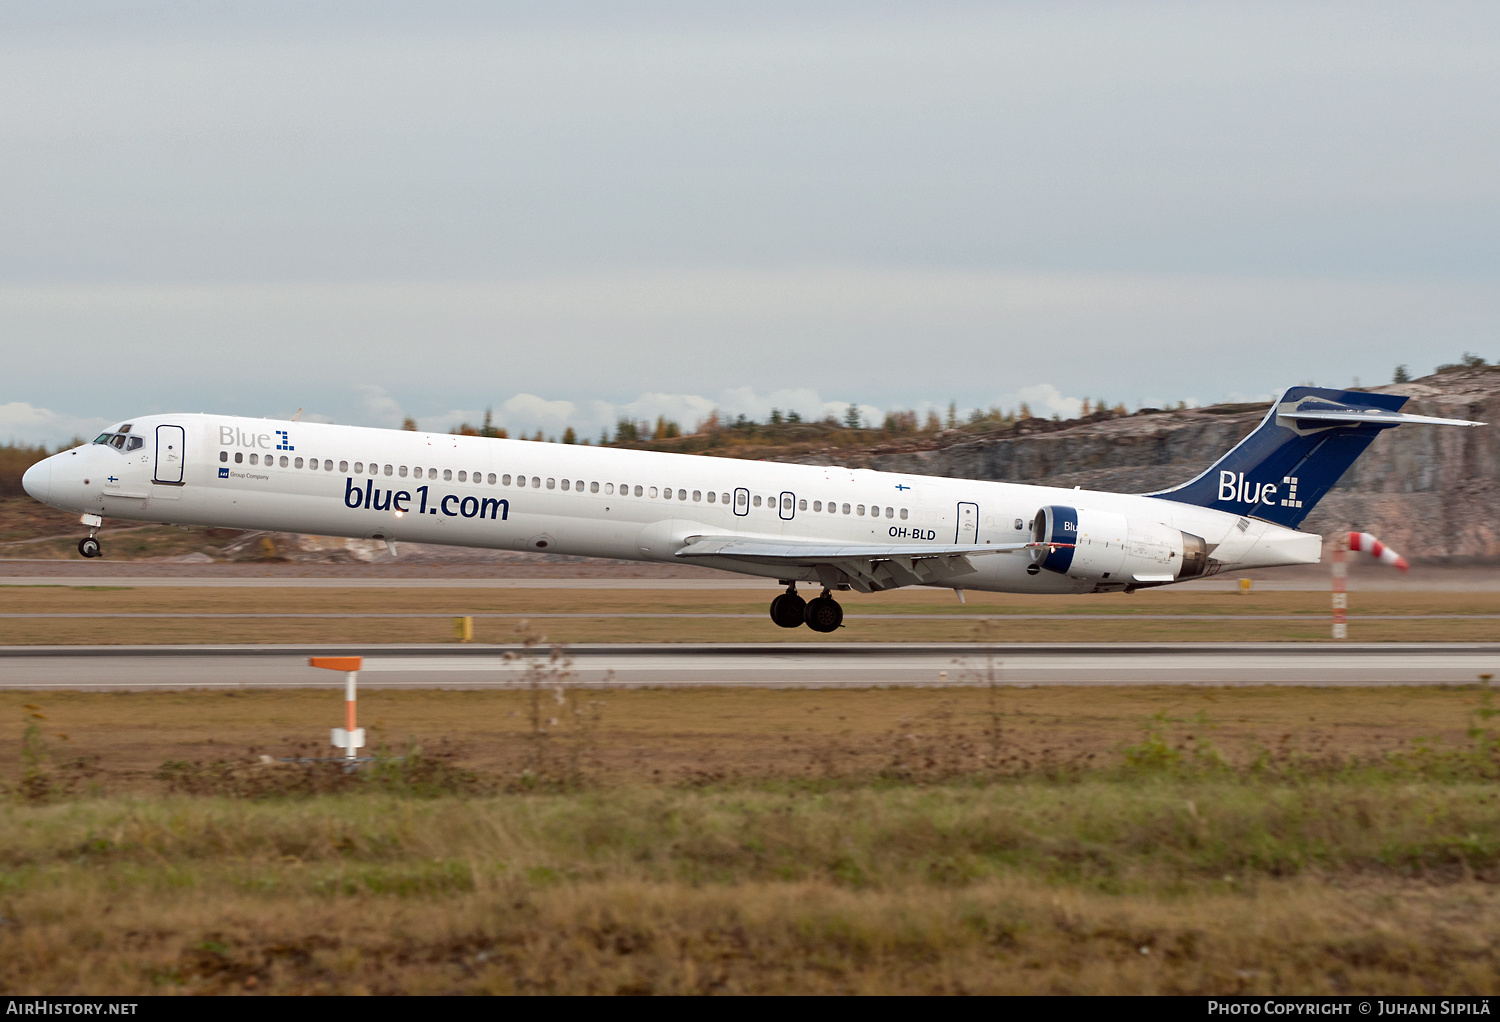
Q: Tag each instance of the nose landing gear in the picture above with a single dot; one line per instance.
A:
(89, 545)
(822, 614)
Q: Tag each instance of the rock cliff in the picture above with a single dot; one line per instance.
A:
(1432, 492)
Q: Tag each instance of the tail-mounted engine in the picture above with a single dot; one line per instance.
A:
(1101, 545)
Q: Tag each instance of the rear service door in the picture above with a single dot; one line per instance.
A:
(788, 506)
(742, 501)
(171, 444)
(968, 524)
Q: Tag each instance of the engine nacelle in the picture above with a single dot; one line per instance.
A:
(1112, 548)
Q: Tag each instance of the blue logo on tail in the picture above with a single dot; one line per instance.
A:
(1279, 472)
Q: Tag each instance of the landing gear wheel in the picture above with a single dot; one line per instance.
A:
(88, 546)
(788, 609)
(824, 614)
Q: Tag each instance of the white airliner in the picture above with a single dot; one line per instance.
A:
(837, 528)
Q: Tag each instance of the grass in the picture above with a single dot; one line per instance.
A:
(920, 611)
(1167, 887)
(989, 840)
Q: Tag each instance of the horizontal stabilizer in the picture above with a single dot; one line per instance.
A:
(1372, 415)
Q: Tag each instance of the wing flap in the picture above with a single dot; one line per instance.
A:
(866, 567)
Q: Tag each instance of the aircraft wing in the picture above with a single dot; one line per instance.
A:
(868, 567)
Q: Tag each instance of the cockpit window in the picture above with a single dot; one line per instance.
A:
(117, 441)
(103, 438)
(135, 443)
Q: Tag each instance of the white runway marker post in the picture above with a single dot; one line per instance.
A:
(1360, 542)
(349, 738)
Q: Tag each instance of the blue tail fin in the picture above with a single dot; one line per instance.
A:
(1306, 442)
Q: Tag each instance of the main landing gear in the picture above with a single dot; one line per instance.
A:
(822, 614)
(88, 546)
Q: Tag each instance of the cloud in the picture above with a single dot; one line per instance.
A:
(379, 407)
(26, 424)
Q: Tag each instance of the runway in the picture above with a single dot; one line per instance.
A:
(767, 665)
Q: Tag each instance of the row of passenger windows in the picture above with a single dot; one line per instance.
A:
(535, 482)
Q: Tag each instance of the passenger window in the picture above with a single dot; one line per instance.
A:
(903, 518)
(846, 508)
(817, 505)
(463, 477)
(520, 480)
(712, 496)
(239, 457)
(551, 483)
(859, 509)
(536, 482)
(505, 479)
(697, 495)
(343, 466)
(327, 466)
(890, 512)
(297, 463)
(609, 487)
(283, 461)
(724, 498)
(401, 471)
(682, 494)
(593, 487)
(578, 485)
(389, 470)
(447, 474)
(801, 505)
(223, 455)
(359, 467)
(254, 459)
(756, 501)
(491, 479)
(742, 497)
(653, 490)
(567, 484)
(638, 491)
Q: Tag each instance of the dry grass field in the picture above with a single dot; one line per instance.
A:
(991, 839)
(922, 615)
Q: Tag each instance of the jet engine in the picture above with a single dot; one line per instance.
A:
(1083, 543)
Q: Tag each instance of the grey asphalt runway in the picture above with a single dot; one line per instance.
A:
(771, 665)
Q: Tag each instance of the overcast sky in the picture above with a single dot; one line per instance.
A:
(569, 212)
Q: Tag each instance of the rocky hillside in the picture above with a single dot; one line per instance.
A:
(1431, 492)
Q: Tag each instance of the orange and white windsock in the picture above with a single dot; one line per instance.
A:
(1367, 543)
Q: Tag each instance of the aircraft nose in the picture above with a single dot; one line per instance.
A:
(38, 480)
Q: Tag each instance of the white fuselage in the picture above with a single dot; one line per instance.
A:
(470, 491)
